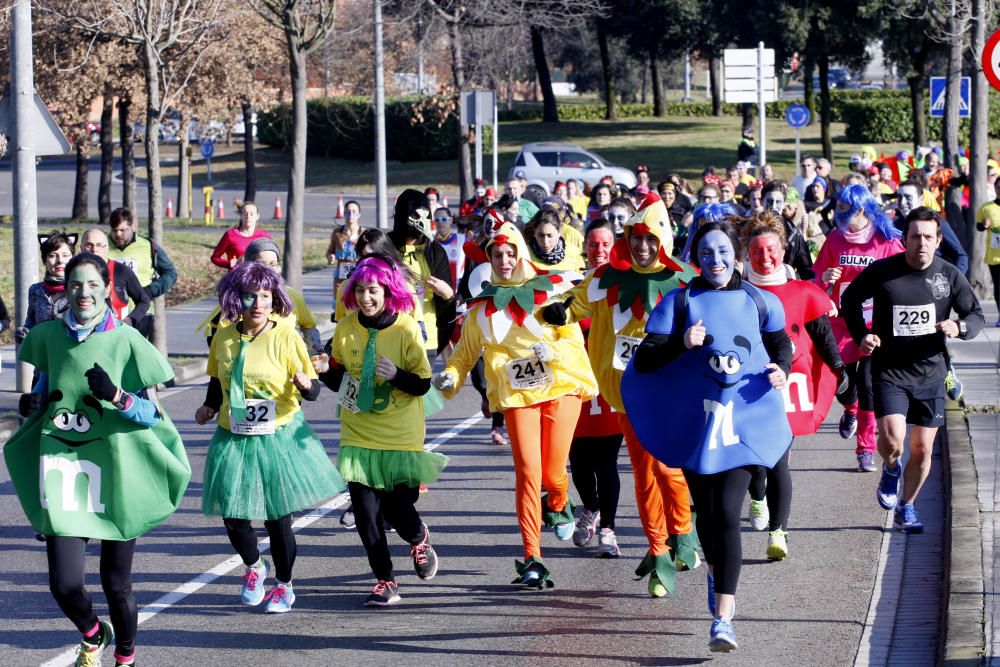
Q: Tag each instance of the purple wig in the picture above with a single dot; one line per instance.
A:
(382, 270)
(252, 277)
(860, 198)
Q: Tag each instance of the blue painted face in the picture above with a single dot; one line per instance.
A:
(717, 258)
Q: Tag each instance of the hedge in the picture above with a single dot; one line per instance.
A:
(890, 120)
(345, 127)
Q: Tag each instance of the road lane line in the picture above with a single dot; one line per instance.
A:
(194, 585)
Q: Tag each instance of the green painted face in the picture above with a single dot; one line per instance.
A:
(87, 293)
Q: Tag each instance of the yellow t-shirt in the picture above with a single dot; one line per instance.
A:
(990, 214)
(271, 360)
(579, 206)
(930, 201)
(401, 424)
(570, 368)
(414, 258)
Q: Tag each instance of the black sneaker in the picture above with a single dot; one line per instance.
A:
(347, 518)
(848, 425)
(384, 594)
(425, 560)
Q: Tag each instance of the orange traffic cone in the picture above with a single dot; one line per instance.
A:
(170, 208)
(340, 207)
(220, 211)
(277, 208)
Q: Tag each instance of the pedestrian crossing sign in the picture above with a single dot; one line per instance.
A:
(938, 88)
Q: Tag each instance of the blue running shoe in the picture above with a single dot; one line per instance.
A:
(721, 638)
(280, 599)
(564, 531)
(711, 592)
(906, 520)
(252, 593)
(888, 487)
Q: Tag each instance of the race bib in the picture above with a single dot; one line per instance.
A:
(995, 240)
(867, 306)
(528, 373)
(913, 320)
(344, 270)
(259, 419)
(129, 262)
(624, 349)
(348, 394)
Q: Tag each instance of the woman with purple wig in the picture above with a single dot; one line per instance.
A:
(264, 461)
(378, 366)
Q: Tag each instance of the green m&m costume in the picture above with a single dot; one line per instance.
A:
(78, 466)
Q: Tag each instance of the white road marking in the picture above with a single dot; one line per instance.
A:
(194, 585)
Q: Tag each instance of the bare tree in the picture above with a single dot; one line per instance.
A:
(982, 16)
(305, 24)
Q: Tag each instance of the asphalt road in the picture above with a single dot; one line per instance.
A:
(808, 610)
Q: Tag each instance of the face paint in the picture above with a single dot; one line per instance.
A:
(618, 216)
(599, 244)
(766, 254)
(87, 293)
(907, 198)
(774, 201)
(256, 306)
(717, 258)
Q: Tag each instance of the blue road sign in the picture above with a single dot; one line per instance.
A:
(939, 85)
(207, 148)
(798, 115)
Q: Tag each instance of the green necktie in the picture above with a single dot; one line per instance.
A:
(366, 387)
(237, 397)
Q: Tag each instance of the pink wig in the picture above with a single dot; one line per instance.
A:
(384, 271)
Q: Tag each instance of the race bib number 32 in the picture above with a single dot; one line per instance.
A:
(913, 320)
(259, 418)
(528, 373)
(624, 349)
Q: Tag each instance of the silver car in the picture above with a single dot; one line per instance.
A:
(545, 162)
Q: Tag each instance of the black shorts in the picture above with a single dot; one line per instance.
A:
(923, 404)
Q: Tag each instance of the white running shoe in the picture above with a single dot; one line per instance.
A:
(759, 514)
(607, 544)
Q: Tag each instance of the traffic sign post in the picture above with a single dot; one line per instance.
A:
(939, 88)
(749, 78)
(207, 151)
(479, 108)
(797, 116)
(991, 60)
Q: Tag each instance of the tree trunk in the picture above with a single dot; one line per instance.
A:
(980, 193)
(610, 96)
(292, 263)
(747, 110)
(80, 187)
(550, 112)
(151, 74)
(716, 83)
(917, 110)
(643, 90)
(184, 171)
(128, 151)
(249, 157)
(107, 158)
(458, 78)
(659, 106)
(824, 111)
(949, 140)
(809, 92)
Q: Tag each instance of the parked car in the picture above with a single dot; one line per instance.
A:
(545, 162)
(239, 128)
(837, 77)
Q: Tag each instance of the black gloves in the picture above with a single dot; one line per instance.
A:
(101, 385)
(843, 380)
(29, 404)
(555, 313)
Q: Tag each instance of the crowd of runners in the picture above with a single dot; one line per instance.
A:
(575, 316)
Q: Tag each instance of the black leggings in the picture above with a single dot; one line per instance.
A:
(718, 502)
(778, 484)
(478, 375)
(372, 508)
(995, 275)
(594, 462)
(243, 537)
(66, 573)
(859, 384)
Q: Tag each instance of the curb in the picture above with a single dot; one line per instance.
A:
(963, 638)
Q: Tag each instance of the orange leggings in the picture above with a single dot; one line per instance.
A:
(540, 438)
(661, 494)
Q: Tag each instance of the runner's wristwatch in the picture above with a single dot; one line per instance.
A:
(963, 328)
(122, 401)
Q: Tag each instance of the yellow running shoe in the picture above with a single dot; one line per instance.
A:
(89, 655)
(777, 547)
(656, 588)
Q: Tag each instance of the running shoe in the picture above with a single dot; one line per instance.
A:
(681, 566)
(252, 593)
(280, 599)
(532, 574)
(655, 587)
(564, 531)
(586, 527)
(384, 594)
(88, 654)
(848, 425)
(952, 385)
(777, 546)
(422, 488)
(866, 462)
(387, 527)
(759, 514)
(425, 560)
(497, 437)
(906, 519)
(721, 638)
(710, 580)
(888, 487)
(607, 544)
(347, 518)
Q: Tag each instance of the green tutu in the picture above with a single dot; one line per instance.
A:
(268, 476)
(386, 469)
